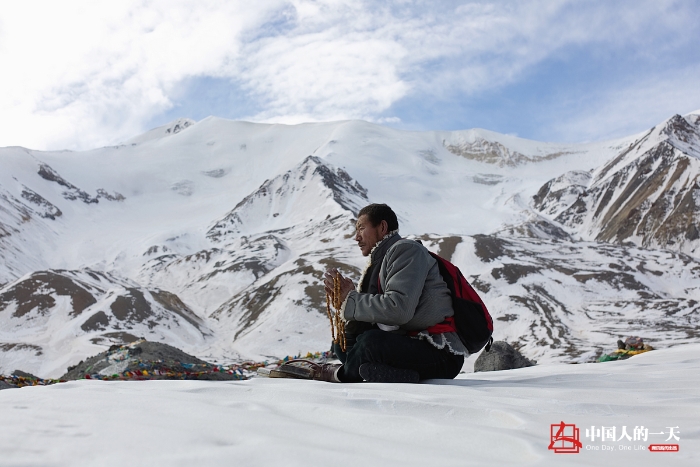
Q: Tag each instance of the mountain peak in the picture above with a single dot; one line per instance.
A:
(684, 133)
(172, 128)
(312, 190)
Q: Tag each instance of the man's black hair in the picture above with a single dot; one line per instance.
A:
(376, 213)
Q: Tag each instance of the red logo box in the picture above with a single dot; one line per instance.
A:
(564, 439)
(663, 448)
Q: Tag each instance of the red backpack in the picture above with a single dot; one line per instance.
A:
(472, 320)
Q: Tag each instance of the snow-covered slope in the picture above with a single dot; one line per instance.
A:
(496, 418)
(235, 222)
(566, 300)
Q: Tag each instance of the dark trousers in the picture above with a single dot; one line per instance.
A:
(398, 351)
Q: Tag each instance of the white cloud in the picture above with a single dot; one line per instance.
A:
(79, 74)
(350, 60)
(327, 75)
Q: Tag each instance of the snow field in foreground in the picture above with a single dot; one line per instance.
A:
(500, 418)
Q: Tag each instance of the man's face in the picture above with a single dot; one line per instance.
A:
(368, 235)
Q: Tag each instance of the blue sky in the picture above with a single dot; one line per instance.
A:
(86, 74)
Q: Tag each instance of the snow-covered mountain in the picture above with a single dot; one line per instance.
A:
(213, 236)
(648, 195)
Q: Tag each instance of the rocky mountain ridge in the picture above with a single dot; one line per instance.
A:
(648, 195)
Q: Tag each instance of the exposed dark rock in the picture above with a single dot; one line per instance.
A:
(619, 280)
(96, 322)
(6, 347)
(132, 307)
(341, 184)
(613, 163)
(46, 209)
(541, 195)
(47, 173)
(178, 127)
(117, 338)
(35, 293)
(680, 128)
(72, 192)
(508, 317)
(141, 355)
(172, 302)
(495, 153)
(540, 228)
(479, 285)
(102, 193)
(502, 356)
(447, 247)
(254, 301)
(5, 385)
(513, 272)
(488, 247)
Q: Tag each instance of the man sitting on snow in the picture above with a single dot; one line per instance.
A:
(400, 295)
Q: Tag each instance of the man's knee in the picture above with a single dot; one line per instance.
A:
(372, 343)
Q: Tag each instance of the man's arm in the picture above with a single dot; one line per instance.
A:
(407, 266)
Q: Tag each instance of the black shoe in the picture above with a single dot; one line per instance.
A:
(381, 373)
(328, 372)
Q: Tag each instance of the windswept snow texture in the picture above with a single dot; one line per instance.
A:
(213, 236)
(495, 418)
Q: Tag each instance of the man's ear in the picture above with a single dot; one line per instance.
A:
(383, 228)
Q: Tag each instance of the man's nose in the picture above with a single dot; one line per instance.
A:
(357, 236)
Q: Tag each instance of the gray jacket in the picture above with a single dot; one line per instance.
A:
(414, 295)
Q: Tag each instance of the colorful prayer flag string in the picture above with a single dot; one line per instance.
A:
(160, 369)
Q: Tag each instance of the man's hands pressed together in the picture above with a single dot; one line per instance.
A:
(346, 285)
